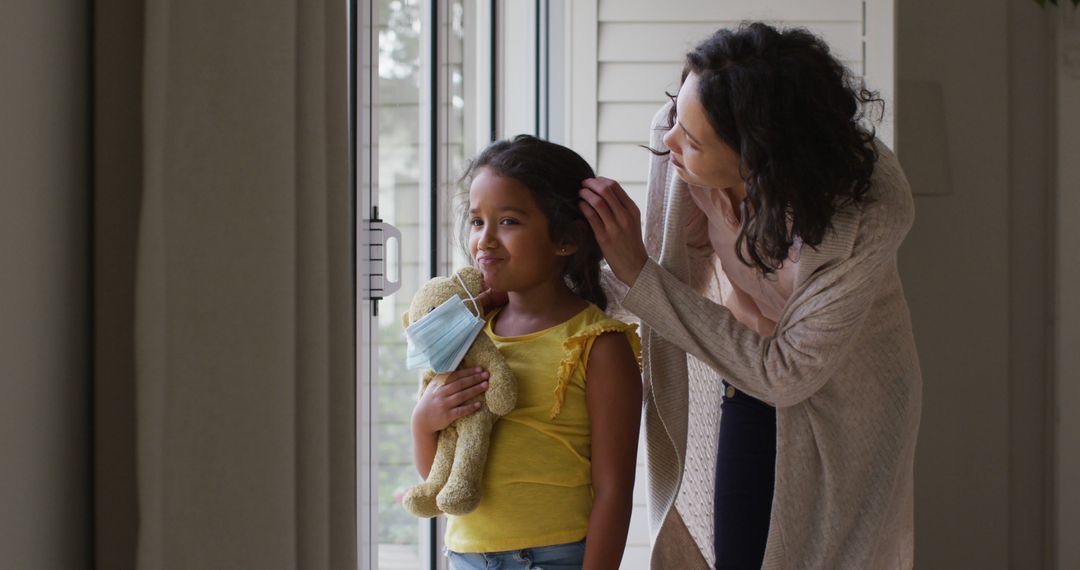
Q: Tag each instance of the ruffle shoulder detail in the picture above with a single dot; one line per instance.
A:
(575, 345)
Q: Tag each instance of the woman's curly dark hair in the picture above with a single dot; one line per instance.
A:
(553, 174)
(793, 113)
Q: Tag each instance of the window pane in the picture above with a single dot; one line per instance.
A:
(459, 111)
(401, 144)
(404, 102)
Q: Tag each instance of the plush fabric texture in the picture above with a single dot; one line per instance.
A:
(841, 370)
(453, 485)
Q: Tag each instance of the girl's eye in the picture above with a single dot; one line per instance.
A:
(508, 221)
(476, 222)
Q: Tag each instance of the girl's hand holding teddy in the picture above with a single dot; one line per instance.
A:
(441, 404)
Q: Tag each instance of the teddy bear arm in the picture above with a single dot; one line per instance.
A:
(502, 392)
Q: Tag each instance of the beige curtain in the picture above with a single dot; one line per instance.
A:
(242, 343)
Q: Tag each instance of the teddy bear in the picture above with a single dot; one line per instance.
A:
(453, 485)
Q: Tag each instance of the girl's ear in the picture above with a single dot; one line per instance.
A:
(569, 245)
(566, 249)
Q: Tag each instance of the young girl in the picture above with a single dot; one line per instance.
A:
(561, 465)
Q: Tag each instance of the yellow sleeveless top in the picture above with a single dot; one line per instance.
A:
(537, 487)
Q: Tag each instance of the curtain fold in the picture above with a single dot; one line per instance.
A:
(244, 443)
(117, 140)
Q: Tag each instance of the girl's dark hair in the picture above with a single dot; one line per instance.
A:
(792, 112)
(553, 174)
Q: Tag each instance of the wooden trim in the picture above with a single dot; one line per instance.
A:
(581, 113)
(1066, 284)
(879, 61)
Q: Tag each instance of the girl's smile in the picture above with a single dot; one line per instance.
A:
(486, 260)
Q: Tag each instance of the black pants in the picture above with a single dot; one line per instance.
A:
(745, 469)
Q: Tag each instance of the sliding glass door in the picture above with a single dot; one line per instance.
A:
(423, 78)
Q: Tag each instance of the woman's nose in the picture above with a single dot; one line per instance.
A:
(670, 140)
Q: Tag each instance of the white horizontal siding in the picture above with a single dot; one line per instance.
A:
(716, 10)
(639, 532)
(650, 42)
(635, 558)
(669, 41)
(638, 550)
(637, 82)
(641, 492)
(636, 192)
(625, 122)
(627, 163)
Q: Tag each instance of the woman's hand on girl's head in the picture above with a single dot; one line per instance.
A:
(441, 404)
(616, 221)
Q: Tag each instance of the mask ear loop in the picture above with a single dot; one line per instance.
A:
(469, 293)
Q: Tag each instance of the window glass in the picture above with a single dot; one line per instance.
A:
(405, 138)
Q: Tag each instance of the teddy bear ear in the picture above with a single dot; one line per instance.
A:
(473, 278)
(405, 320)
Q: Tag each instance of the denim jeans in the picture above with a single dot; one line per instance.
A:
(745, 465)
(568, 556)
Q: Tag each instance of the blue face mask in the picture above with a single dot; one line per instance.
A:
(440, 339)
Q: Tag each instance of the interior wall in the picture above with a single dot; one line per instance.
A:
(1066, 205)
(975, 270)
(44, 361)
(1030, 189)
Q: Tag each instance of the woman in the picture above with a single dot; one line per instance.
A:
(787, 206)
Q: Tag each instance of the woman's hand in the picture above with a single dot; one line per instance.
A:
(441, 404)
(616, 221)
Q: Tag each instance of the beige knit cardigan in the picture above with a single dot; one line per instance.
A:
(842, 371)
